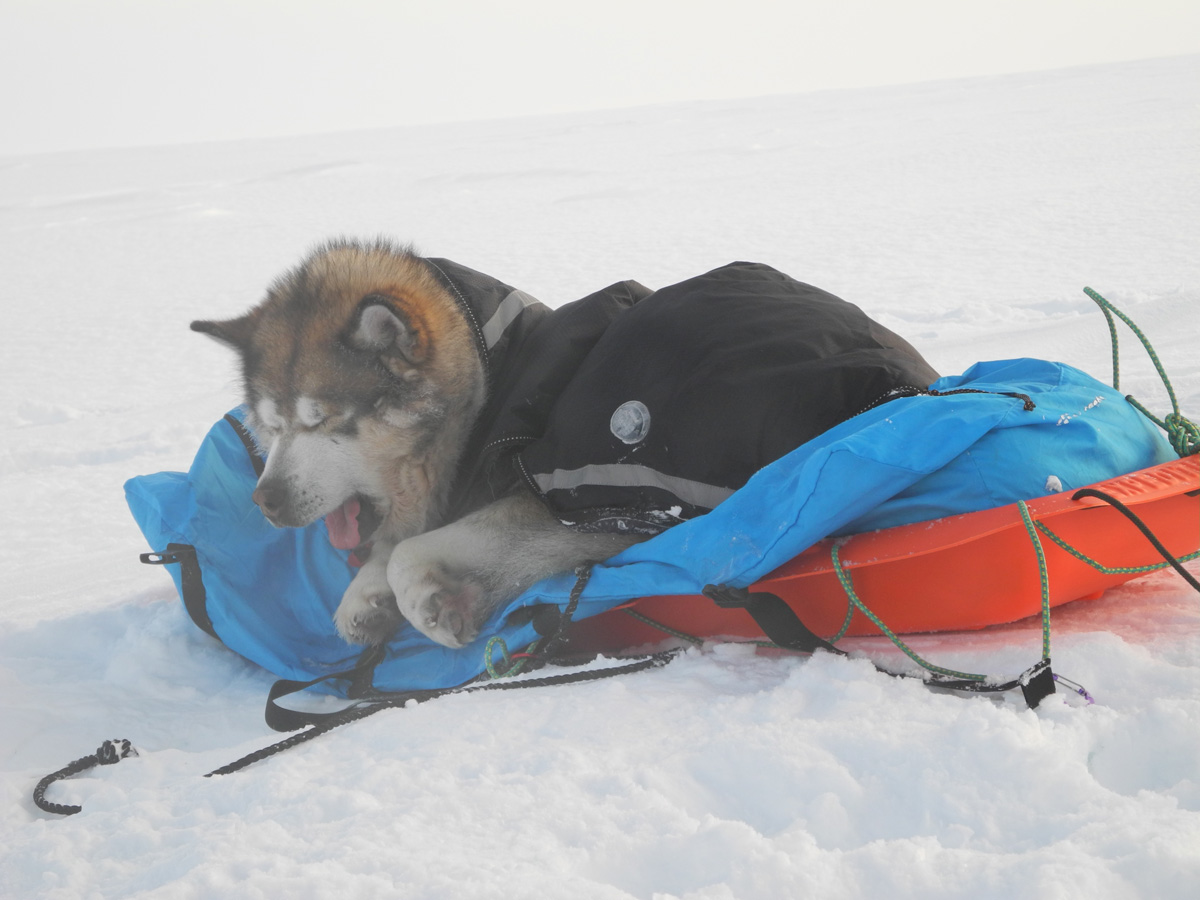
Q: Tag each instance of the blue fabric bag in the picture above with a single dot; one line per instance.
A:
(270, 593)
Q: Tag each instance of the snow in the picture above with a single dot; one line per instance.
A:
(967, 215)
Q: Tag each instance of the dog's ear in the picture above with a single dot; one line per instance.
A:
(383, 327)
(234, 332)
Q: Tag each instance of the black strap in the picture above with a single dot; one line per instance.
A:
(777, 620)
(191, 583)
(1145, 530)
(280, 718)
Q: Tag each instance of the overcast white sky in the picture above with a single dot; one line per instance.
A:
(78, 74)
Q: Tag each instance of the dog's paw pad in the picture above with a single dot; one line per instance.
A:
(448, 618)
(370, 629)
(444, 608)
(367, 618)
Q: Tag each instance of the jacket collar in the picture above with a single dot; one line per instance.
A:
(492, 308)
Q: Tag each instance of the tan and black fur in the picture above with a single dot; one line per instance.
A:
(363, 381)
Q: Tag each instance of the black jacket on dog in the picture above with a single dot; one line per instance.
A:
(632, 410)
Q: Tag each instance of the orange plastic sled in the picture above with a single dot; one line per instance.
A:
(956, 573)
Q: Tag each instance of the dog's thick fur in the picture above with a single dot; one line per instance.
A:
(363, 383)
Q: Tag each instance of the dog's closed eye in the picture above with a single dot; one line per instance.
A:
(311, 413)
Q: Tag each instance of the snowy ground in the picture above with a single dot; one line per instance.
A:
(966, 214)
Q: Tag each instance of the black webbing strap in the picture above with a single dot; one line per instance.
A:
(1142, 527)
(191, 583)
(777, 620)
(280, 718)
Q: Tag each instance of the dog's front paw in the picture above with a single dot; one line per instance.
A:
(368, 613)
(444, 607)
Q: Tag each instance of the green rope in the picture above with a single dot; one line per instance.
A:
(1109, 570)
(848, 587)
(1043, 574)
(1112, 333)
(841, 632)
(1183, 434)
(666, 629)
(855, 603)
(514, 669)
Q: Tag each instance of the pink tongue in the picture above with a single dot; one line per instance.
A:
(343, 525)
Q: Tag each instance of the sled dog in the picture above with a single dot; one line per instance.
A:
(362, 381)
(366, 377)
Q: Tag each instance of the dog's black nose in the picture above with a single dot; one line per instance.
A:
(270, 499)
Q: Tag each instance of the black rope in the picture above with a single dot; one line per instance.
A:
(1029, 405)
(911, 391)
(109, 753)
(1145, 530)
(352, 714)
(583, 574)
(369, 708)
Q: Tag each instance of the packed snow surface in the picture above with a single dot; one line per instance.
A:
(967, 215)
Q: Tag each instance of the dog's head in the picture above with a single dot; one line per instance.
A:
(360, 378)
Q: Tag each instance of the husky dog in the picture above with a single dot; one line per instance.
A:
(363, 382)
(434, 416)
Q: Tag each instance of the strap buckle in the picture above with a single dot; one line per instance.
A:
(160, 558)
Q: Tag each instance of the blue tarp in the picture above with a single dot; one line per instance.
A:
(271, 593)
